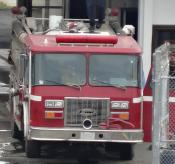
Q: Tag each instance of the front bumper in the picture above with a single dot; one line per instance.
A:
(82, 135)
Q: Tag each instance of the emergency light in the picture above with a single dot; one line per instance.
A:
(87, 39)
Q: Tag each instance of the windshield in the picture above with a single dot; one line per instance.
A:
(114, 70)
(58, 69)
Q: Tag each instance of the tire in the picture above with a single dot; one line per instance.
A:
(126, 151)
(32, 149)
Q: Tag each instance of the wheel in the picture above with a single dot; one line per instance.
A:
(32, 148)
(126, 151)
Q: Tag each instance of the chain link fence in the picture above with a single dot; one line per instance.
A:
(164, 105)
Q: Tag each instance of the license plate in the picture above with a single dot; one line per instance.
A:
(87, 135)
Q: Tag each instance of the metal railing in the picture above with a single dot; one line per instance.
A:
(163, 105)
(47, 7)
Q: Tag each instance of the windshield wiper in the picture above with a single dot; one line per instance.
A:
(109, 84)
(63, 84)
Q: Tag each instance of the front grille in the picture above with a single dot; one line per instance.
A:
(79, 109)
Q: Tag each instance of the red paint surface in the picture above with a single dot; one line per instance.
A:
(125, 45)
(59, 92)
(147, 112)
(86, 39)
(43, 43)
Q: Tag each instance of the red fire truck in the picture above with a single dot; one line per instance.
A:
(69, 85)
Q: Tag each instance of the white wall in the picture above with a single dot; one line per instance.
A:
(164, 12)
(145, 32)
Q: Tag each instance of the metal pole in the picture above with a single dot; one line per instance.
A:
(156, 113)
(47, 3)
(164, 109)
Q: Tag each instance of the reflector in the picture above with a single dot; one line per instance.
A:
(49, 115)
(58, 115)
(53, 115)
(123, 116)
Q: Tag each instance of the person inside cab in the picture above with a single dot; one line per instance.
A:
(95, 10)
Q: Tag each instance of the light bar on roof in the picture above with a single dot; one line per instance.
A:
(86, 39)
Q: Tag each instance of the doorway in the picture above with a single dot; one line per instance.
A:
(77, 9)
(162, 33)
(130, 16)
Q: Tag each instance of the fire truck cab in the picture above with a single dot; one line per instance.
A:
(69, 85)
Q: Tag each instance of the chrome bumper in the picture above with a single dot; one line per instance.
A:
(82, 135)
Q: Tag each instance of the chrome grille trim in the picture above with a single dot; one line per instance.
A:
(77, 109)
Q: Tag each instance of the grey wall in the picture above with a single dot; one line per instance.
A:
(163, 12)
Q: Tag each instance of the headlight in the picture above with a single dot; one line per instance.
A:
(119, 104)
(54, 104)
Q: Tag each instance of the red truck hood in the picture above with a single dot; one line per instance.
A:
(87, 91)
